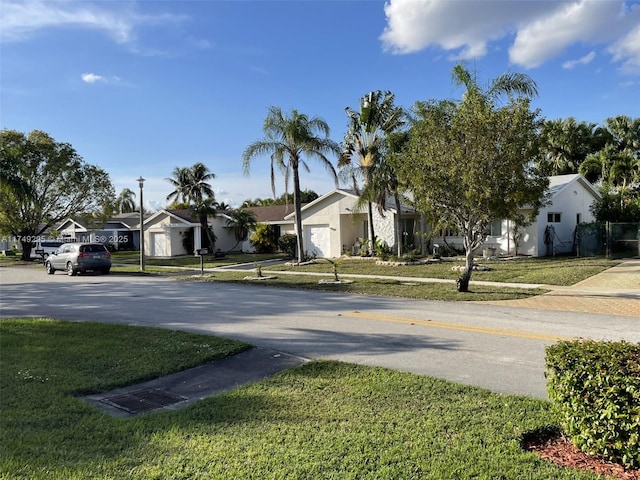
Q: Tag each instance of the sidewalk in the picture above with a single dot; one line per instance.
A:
(615, 291)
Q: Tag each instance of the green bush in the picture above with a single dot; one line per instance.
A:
(596, 390)
(382, 249)
(263, 238)
(288, 244)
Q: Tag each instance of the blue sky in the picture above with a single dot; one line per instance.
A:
(141, 87)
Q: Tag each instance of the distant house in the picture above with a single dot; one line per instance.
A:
(273, 215)
(552, 232)
(121, 230)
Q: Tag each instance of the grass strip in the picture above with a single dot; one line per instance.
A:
(324, 420)
(376, 286)
(539, 270)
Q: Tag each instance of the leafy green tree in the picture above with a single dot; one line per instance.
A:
(288, 139)
(472, 161)
(44, 182)
(191, 186)
(306, 196)
(125, 202)
(365, 144)
(241, 222)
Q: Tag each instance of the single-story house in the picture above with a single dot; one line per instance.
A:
(165, 230)
(333, 225)
(121, 230)
(552, 232)
(273, 215)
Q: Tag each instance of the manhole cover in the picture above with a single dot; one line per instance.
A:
(143, 400)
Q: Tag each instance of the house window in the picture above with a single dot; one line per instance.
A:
(496, 228)
(553, 217)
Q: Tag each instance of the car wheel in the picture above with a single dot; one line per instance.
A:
(70, 270)
(105, 271)
(49, 268)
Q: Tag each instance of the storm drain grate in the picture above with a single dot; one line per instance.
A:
(143, 400)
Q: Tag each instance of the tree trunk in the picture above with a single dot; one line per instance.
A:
(463, 282)
(26, 250)
(204, 224)
(372, 238)
(298, 207)
(399, 236)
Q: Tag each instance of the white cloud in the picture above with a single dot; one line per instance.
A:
(588, 58)
(541, 30)
(92, 78)
(21, 19)
(549, 36)
(627, 51)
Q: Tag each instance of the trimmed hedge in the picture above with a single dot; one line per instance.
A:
(596, 390)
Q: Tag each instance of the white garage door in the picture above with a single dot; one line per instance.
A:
(317, 241)
(158, 243)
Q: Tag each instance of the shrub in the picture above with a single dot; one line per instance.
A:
(263, 238)
(596, 390)
(288, 244)
(382, 249)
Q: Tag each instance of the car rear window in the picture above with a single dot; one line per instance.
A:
(92, 248)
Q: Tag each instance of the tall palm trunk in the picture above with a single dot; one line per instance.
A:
(372, 233)
(298, 209)
(399, 238)
(204, 225)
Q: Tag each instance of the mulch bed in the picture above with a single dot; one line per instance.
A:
(559, 450)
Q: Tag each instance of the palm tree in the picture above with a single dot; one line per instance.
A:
(624, 134)
(125, 202)
(192, 186)
(288, 139)
(365, 143)
(203, 209)
(241, 222)
(222, 206)
(566, 144)
(179, 179)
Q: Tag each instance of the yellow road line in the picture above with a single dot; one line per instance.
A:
(455, 326)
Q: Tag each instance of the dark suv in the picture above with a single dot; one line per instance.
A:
(79, 257)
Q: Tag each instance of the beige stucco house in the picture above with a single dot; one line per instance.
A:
(333, 224)
(165, 230)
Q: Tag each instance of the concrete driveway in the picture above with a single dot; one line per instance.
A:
(497, 347)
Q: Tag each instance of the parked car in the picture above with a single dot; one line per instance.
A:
(79, 257)
(47, 247)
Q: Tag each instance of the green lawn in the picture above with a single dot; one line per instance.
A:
(320, 421)
(541, 270)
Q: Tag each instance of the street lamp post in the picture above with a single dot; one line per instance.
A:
(141, 184)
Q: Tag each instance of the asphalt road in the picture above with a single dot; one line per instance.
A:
(495, 347)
